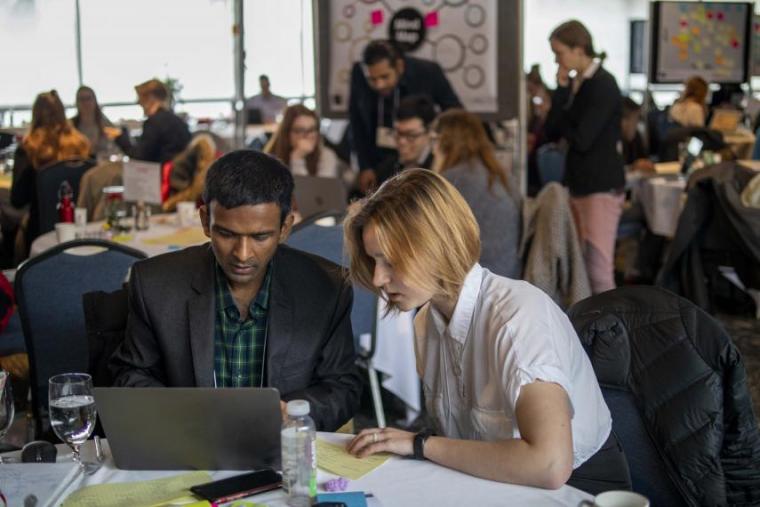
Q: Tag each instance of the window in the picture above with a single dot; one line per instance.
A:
(39, 41)
(126, 43)
(279, 43)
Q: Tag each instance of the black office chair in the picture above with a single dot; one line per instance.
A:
(49, 180)
(327, 241)
(49, 291)
(665, 428)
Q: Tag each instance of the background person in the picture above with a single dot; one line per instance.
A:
(378, 83)
(269, 104)
(414, 117)
(91, 122)
(298, 144)
(586, 112)
(164, 134)
(690, 109)
(465, 157)
(51, 138)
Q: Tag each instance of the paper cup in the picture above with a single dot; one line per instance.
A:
(65, 231)
(80, 217)
(186, 213)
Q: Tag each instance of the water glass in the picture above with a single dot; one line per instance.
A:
(6, 404)
(72, 409)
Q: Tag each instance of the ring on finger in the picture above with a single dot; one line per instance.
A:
(374, 438)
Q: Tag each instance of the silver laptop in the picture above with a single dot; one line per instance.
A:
(191, 428)
(316, 195)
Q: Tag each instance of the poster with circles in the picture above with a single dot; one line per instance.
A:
(461, 35)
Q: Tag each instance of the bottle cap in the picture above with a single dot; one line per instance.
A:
(298, 408)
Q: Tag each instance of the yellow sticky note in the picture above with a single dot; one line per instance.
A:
(334, 459)
(183, 237)
(134, 494)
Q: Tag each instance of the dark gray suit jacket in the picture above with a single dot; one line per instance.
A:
(310, 349)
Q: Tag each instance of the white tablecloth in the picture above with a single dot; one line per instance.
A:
(160, 226)
(396, 483)
(662, 200)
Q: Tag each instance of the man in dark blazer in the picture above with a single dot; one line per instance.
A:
(378, 83)
(164, 134)
(244, 310)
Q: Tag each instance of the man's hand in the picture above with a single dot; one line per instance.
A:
(367, 181)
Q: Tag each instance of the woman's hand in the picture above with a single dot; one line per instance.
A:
(374, 440)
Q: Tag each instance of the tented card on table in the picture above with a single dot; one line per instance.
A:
(142, 181)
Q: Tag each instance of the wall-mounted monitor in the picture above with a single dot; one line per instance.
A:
(708, 39)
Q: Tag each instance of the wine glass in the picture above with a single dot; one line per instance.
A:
(6, 404)
(72, 409)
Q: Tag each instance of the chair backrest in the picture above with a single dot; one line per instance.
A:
(105, 318)
(49, 180)
(655, 353)
(327, 242)
(49, 291)
(550, 160)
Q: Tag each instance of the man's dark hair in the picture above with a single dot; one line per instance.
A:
(379, 50)
(630, 106)
(263, 76)
(248, 177)
(416, 106)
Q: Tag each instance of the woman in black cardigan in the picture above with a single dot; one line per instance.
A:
(586, 112)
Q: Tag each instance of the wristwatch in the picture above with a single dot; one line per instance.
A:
(419, 443)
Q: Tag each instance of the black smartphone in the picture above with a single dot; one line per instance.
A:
(239, 486)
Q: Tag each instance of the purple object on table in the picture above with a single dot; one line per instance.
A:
(339, 484)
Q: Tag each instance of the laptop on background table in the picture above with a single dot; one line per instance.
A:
(316, 195)
(192, 428)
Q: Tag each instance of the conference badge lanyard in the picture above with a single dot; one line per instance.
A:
(385, 137)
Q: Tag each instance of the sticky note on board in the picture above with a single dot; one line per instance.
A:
(376, 17)
(431, 19)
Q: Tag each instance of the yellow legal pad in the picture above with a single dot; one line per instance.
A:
(334, 459)
(137, 494)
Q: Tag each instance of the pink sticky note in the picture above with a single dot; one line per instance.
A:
(431, 19)
(376, 17)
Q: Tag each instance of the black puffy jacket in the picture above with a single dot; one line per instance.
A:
(689, 383)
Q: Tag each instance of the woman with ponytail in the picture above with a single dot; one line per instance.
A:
(586, 112)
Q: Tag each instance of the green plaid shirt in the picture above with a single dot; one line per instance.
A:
(239, 346)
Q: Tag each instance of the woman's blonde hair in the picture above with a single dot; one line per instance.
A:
(426, 231)
(461, 137)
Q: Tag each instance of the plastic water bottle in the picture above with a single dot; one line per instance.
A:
(299, 455)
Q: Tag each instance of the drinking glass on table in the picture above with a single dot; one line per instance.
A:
(72, 409)
(6, 404)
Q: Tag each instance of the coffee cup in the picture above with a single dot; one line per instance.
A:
(65, 231)
(616, 499)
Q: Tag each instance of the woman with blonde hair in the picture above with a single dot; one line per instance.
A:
(690, 109)
(509, 387)
(298, 144)
(51, 138)
(465, 156)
